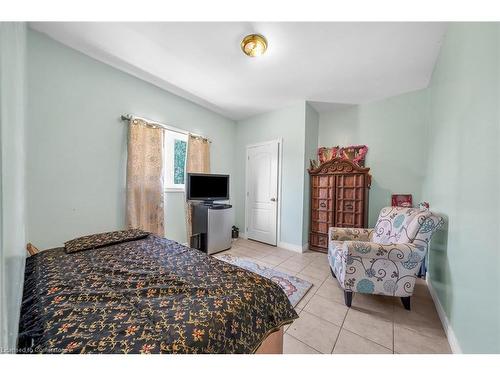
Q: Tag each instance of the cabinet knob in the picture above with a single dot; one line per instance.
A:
(273, 199)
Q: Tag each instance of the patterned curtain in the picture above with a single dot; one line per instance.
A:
(145, 192)
(198, 161)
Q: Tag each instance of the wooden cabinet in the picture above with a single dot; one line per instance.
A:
(339, 198)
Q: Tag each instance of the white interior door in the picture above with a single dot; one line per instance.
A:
(262, 192)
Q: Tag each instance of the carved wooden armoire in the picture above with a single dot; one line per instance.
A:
(339, 198)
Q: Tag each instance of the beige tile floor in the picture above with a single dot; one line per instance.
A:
(374, 324)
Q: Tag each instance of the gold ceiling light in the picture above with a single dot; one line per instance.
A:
(254, 45)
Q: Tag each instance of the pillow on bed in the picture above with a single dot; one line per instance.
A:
(103, 239)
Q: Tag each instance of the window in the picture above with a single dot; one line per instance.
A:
(175, 160)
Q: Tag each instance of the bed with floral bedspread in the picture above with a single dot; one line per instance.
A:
(150, 295)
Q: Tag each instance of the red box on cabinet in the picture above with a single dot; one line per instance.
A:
(402, 200)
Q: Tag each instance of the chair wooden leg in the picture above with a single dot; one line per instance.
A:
(348, 298)
(406, 303)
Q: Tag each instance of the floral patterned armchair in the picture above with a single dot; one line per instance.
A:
(384, 260)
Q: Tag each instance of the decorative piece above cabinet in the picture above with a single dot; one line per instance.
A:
(339, 198)
(356, 154)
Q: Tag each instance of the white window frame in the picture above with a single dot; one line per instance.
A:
(168, 161)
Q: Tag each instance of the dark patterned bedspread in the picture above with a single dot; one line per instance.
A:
(146, 296)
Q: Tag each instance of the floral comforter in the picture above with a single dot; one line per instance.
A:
(145, 296)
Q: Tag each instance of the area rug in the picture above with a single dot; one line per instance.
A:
(294, 287)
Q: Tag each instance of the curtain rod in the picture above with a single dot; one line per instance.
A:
(128, 117)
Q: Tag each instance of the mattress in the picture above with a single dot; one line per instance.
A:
(150, 295)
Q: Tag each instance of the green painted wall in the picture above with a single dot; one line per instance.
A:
(441, 145)
(77, 144)
(288, 123)
(395, 131)
(463, 183)
(311, 151)
(12, 178)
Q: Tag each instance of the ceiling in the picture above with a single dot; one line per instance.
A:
(329, 64)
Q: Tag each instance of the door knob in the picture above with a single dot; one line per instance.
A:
(273, 199)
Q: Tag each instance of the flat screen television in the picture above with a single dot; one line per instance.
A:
(207, 187)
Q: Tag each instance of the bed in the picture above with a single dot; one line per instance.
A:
(148, 295)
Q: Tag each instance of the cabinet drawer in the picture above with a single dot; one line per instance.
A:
(320, 227)
(318, 240)
(322, 204)
(322, 216)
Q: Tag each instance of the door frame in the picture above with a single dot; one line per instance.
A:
(279, 142)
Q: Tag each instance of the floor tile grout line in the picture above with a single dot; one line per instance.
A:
(269, 246)
(309, 346)
(262, 259)
(366, 338)
(252, 251)
(313, 261)
(301, 265)
(267, 252)
(343, 321)
(319, 317)
(316, 291)
(252, 256)
(327, 321)
(341, 328)
(393, 338)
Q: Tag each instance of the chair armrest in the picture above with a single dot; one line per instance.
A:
(397, 252)
(349, 234)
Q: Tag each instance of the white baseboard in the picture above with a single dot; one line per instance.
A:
(291, 246)
(448, 329)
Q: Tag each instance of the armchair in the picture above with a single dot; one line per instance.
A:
(384, 260)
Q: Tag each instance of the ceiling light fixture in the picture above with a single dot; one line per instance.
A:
(254, 45)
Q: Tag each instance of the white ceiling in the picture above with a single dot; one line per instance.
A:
(334, 62)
